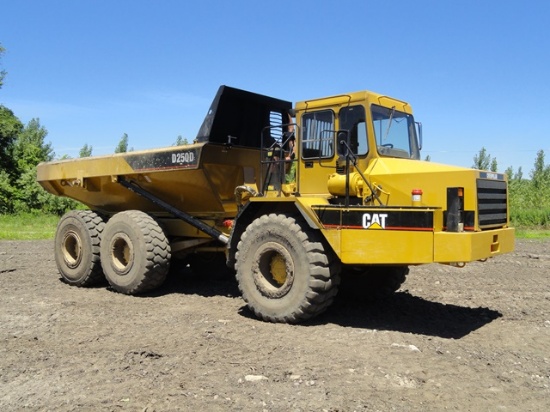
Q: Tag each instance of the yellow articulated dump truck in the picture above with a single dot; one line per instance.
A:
(292, 198)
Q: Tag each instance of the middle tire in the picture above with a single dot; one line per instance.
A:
(135, 253)
(284, 271)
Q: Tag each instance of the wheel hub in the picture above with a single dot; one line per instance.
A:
(273, 270)
(72, 249)
(278, 269)
(122, 253)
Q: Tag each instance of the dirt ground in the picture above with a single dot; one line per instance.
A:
(469, 339)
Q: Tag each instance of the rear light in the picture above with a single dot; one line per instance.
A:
(416, 197)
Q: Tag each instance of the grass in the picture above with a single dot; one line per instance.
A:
(28, 226)
(530, 233)
(34, 226)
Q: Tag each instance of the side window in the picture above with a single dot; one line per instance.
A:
(352, 119)
(318, 135)
(275, 126)
(272, 135)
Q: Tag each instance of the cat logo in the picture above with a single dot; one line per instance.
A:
(374, 220)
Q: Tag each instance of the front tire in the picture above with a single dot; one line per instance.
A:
(284, 271)
(135, 253)
(77, 248)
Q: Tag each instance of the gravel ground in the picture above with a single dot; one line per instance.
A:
(469, 339)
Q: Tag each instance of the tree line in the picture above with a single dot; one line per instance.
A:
(22, 148)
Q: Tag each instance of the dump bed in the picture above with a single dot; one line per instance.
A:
(199, 179)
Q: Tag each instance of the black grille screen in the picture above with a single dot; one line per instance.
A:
(492, 203)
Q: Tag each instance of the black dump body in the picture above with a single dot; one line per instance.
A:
(242, 115)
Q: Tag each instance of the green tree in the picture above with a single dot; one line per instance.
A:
(10, 127)
(540, 175)
(29, 148)
(483, 161)
(27, 192)
(509, 172)
(86, 151)
(180, 141)
(6, 193)
(122, 146)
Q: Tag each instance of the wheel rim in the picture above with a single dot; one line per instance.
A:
(122, 253)
(273, 270)
(72, 249)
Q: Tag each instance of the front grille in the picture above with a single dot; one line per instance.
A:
(492, 203)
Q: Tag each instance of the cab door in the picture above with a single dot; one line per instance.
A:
(317, 150)
(320, 149)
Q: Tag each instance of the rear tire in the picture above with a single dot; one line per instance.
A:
(135, 253)
(284, 271)
(77, 248)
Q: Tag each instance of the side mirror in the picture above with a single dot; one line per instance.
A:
(342, 142)
(419, 134)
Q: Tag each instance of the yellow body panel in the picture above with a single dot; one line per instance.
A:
(470, 246)
(361, 97)
(377, 246)
(357, 247)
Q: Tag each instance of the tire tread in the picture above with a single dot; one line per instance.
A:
(157, 254)
(323, 269)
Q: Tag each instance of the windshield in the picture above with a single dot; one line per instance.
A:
(395, 133)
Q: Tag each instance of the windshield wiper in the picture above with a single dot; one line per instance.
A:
(389, 123)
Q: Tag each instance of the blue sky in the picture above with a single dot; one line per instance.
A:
(477, 73)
